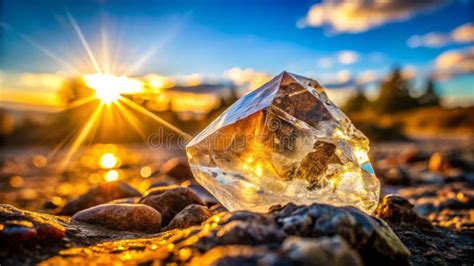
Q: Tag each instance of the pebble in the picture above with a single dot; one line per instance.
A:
(170, 202)
(123, 217)
(100, 194)
(397, 210)
(191, 215)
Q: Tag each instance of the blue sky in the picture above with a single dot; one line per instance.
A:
(210, 37)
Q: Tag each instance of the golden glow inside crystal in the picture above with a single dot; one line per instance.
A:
(284, 142)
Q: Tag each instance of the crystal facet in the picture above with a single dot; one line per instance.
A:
(284, 142)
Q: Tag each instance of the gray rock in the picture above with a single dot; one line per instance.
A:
(246, 216)
(126, 217)
(239, 228)
(191, 215)
(171, 201)
(248, 233)
(320, 251)
(371, 236)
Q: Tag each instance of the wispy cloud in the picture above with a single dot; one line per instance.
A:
(344, 76)
(454, 62)
(247, 78)
(362, 15)
(345, 57)
(461, 34)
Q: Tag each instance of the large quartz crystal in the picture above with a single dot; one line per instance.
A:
(284, 142)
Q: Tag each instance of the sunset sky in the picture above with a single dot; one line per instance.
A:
(341, 44)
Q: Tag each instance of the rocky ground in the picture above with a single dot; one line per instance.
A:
(160, 216)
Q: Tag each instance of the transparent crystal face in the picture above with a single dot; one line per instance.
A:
(284, 142)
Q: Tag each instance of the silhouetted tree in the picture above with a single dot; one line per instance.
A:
(429, 97)
(357, 103)
(395, 94)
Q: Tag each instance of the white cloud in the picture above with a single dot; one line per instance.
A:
(454, 62)
(461, 34)
(362, 15)
(347, 57)
(433, 39)
(247, 78)
(187, 80)
(464, 33)
(343, 76)
(344, 57)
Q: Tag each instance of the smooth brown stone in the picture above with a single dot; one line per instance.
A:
(126, 217)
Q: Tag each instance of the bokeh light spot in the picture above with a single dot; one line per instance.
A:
(145, 171)
(16, 181)
(111, 176)
(108, 161)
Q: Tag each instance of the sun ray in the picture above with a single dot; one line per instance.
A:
(84, 42)
(60, 146)
(43, 49)
(116, 51)
(153, 116)
(132, 120)
(138, 64)
(79, 140)
(80, 102)
(105, 49)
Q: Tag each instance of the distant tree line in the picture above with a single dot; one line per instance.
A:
(394, 96)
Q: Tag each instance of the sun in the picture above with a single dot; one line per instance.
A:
(108, 161)
(107, 96)
(107, 87)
